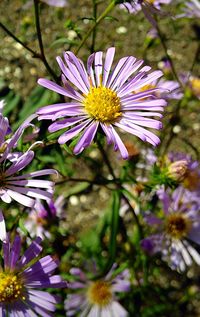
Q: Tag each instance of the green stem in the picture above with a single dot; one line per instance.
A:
(113, 231)
(102, 16)
(196, 58)
(95, 29)
(119, 186)
(40, 42)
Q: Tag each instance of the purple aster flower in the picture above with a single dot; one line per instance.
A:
(136, 5)
(97, 297)
(149, 7)
(20, 281)
(179, 223)
(165, 66)
(40, 216)
(104, 99)
(191, 9)
(192, 82)
(13, 184)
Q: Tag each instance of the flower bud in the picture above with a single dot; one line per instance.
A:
(177, 170)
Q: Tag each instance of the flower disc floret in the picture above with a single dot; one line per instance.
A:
(99, 293)
(177, 226)
(103, 104)
(11, 288)
(195, 86)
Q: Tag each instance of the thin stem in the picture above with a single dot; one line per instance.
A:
(119, 186)
(114, 227)
(196, 57)
(95, 29)
(35, 54)
(39, 35)
(84, 180)
(104, 155)
(102, 16)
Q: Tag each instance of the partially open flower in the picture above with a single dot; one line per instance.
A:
(97, 297)
(178, 170)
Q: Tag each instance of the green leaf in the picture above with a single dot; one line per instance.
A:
(11, 102)
(62, 41)
(113, 230)
(38, 98)
(22, 227)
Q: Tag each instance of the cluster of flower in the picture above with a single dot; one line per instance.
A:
(179, 221)
(105, 100)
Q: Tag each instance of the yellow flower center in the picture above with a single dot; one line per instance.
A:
(150, 1)
(99, 293)
(11, 288)
(3, 147)
(195, 86)
(103, 104)
(146, 87)
(177, 226)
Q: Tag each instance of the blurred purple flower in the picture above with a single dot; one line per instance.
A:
(12, 184)
(168, 89)
(97, 297)
(191, 180)
(191, 9)
(149, 8)
(194, 84)
(105, 100)
(53, 3)
(56, 3)
(165, 66)
(136, 5)
(40, 216)
(179, 223)
(19, 281)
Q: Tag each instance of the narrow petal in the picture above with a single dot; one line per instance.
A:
(2, 227)
(98, 67)
(57, 107)
(73, 132)
(86, 138)
(22, 199)
(54, 87)
(65, 123)
(108, 64)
